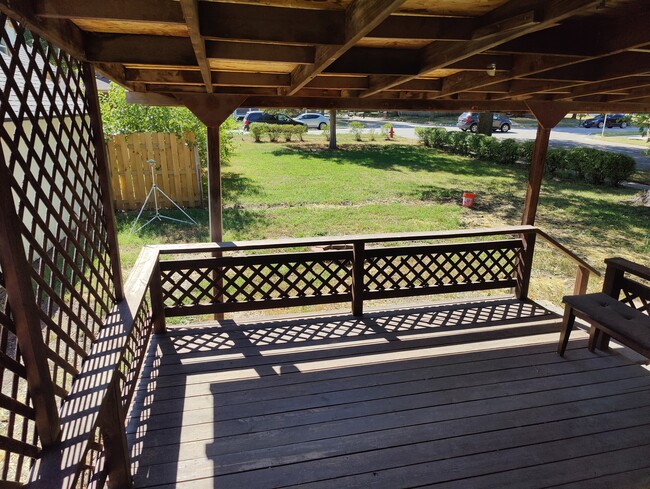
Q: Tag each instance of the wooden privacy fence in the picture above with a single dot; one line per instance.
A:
(177, 169)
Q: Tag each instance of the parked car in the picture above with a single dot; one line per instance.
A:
(313, 120)
(619, 120)
(240, 113)
(469, 120)
(259, 116)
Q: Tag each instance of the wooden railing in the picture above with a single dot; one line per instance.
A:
(166, 282)
(94, 413)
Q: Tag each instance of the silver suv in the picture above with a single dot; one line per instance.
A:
(469, 120)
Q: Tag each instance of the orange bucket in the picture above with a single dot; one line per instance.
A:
(468, 199)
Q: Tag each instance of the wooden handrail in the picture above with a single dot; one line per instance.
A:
(566, 252)
(95, 397)
(338, 240)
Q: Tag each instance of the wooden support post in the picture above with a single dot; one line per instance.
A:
(157, 303)
(548, 115)
(332, 129)
(24, 310)
(525, 266)
(358, 262)
(215, 205)
(104, 172)
(118, 465)
(535, 175)
(214, 186)
(582, 280)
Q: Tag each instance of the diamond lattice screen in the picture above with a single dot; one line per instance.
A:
(46, 141)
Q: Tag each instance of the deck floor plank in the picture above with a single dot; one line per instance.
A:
(410, 398)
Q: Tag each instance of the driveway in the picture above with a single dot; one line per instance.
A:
(560, 137)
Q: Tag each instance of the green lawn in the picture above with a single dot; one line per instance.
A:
(274, 190)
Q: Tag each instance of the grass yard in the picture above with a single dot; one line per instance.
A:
(276, 190)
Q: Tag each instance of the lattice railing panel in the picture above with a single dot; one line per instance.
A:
(17, 428)
(636, 296)
(47, 146)
(134, 352)
(255, 279)
(472, 264)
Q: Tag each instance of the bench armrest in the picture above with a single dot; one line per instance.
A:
(629, 267)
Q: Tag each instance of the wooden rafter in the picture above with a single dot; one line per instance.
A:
(627, 33)
(191, 14)
(545, 14)
(361, 17)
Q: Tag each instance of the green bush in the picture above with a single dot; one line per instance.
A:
(459, 142)
(274, 131)
(299, 131)
(257, 129)
(489, 149)
(526, 151)
(424, 135)
(385, 130)
(357, 129)
(589, 164)
(618, 167)
(556, 160)
(439, 137)
(372, 132)
(508, 152)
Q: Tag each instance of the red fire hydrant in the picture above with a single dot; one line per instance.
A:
(391, 133)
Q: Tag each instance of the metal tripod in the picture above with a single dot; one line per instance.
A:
(153, 191)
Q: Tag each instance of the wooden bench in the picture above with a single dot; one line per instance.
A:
(621, 311)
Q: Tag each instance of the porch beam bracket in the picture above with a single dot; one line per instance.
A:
(191, 14)
(211, 109)
(361, 17)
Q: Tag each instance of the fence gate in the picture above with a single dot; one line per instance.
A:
(177, 169)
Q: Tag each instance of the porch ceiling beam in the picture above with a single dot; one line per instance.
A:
(594, 71)
(623, 34)
(140, 50)
(61, 32)
(386, 104)
(191, 15)
(260, 52)
(361, 17)
(193, 77)
(544, 14)
(425, 28)
(347, 82)
(178, 51)
(163, 11)
(600, 87)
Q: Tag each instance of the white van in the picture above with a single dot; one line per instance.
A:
(239, 113)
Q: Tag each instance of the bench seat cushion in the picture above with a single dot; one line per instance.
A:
(614, 315)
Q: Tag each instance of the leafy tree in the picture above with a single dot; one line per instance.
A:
(120, 117)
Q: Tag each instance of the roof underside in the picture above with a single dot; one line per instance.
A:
(591, 55)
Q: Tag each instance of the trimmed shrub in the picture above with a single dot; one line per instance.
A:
(508, 153)
(618, 167)
(459, 142)
(526, 151)
(372, 132)
(300, 131)
(556, 160)
(439, 137)
(257, 129)
(357, 129)
(424, 135)
(274, 131)
(385, 130)
(489, 149)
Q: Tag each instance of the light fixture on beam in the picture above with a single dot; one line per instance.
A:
(491, 69)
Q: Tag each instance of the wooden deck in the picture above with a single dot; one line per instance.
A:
(465, 396)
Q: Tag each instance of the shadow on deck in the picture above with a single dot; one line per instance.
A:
(462, 395)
